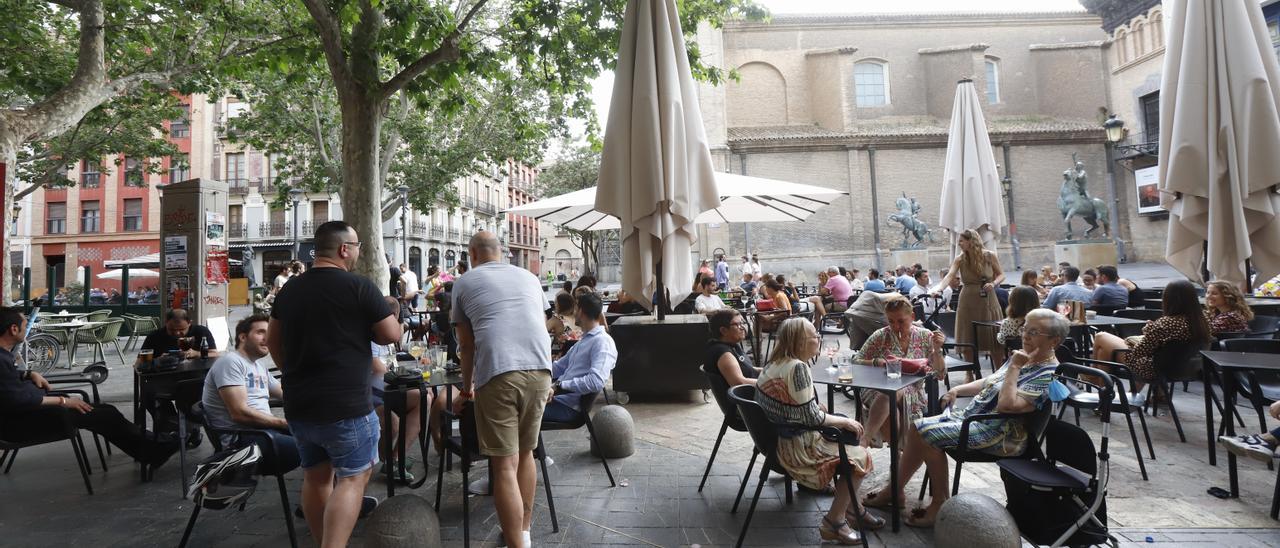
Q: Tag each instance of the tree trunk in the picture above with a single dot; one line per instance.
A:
(361, 189)
(9, 157)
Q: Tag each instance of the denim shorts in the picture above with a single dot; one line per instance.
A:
(349, 445)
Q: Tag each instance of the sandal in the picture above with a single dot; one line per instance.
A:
(916, 519)
(831, 531)
(881, 505)
(870, 522)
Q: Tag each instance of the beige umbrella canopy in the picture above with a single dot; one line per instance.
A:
(656, 174)
(971, 197)
(1219, 133)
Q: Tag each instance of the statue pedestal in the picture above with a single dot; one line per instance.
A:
(1085, 254)
(908, 257)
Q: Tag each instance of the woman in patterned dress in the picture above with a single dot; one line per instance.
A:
(1225, 308)
(900, 339)
(1183, 320)
(1018, 387)
(786, 393)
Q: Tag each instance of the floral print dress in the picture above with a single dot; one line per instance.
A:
(1000, 437)
(885, 343)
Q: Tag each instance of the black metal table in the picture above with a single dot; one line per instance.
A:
(395, 401)
(1228, 363)
(866, 377)
(148, 384)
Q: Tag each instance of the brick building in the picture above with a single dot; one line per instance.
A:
(861, 103)
(524, 243)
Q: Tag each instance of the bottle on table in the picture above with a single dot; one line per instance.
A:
(204, 348)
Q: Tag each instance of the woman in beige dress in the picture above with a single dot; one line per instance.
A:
(980, 274)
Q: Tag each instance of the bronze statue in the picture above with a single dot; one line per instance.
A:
(1074, 201)
(908, 216)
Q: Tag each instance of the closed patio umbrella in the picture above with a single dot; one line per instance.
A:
(1219, 137)
(743, 199)
(971, 196)
(656, 174)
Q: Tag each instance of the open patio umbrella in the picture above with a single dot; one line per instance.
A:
(656, 174)
(971, 197)
(1219, 137)
(743, 199)
(134, 273)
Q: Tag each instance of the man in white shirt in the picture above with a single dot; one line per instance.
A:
(921, 289)
(707, 301)
(409, 287)
(238, 389)
(757, 273)
(855, 281)
(745, 268)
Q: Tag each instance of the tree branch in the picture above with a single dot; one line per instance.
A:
(448, 51)
(330, 40)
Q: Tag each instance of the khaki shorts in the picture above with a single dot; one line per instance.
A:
(509, 412)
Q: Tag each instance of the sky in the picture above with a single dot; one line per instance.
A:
(602, 87)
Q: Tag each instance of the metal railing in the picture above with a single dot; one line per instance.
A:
(455, 234)
(487, 208)
(237, 186)
(437, 232)
(309, 227)
(275, 229)
(237, 230)
(469, 202)
(419, 229)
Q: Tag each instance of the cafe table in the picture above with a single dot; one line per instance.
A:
(866, 377)
(1226, 365)
(72, 328)
(394, 400)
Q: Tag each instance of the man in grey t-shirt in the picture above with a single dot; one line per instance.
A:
(238, 391)
(505, 353)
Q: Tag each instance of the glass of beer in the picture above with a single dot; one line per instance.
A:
(416, 349)
(845, 372)
(184, 343)
(145, 356)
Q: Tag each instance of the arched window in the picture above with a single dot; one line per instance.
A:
(433, 257)
(993, 81)
(415, 261)
(1139, 37)
(1157, 30)
(450, 258)
(1122, 46)
(871, 83)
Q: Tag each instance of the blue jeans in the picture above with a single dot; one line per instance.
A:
(349, 445)
(559, 412)
(285, 449)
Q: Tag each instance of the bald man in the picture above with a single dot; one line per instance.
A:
(505, 354)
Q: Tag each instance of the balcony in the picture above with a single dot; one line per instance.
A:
(275, 229)
(437, 232)
(487, 208)
(237, 187)
(469, 202)
(90, 179)
(418, 229)
(454, 234)
(237, 231)
(309, 227)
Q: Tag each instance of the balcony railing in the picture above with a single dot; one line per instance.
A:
(275, 229)
(487, 208)
(237, 186)
(454, 234)
(309, 227)
(469, 202)
(418, 229)
(238, 230)
(437, 232)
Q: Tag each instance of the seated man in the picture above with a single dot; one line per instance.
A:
(1070, 290)
(874, 283)
(177, 325)
(27, 411)
(748, 285)
(706, 302)
(838, 288)
(1109, 292)
(237, 394)
(921, 289)
(584, 368)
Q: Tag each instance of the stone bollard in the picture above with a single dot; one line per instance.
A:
(615, 433)
(403, 521)
(969, 519)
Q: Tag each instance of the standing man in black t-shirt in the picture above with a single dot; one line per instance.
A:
(321, 326)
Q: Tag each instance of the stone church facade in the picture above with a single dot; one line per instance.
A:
(862, 103)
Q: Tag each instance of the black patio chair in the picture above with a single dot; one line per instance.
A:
(1174, 362)
(1138, 313)
(833, 323)
(1264, 327)
(765, 435)
(946, 323)
(1123, 401)
(10, 444)
(585, 403)
(1104, 310)
(1261, 388)
(187, 397)
(720, 391)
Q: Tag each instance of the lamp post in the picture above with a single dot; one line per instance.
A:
(1115, 133)
(17, 210)
(404, 221)
(295, 196)
(1006, 184)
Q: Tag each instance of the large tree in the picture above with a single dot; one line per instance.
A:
(376, 50)
(83, 78)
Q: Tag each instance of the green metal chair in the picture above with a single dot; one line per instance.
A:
(139, 326)
(109, 332)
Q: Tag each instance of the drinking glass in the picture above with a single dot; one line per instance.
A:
(845, 373)
(184, 344)
(145, 356)
(893, 368)
(389, 358)
(415, 349)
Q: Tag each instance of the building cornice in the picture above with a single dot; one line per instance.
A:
(830, 51)
(97, 237)
(986, 19)
(953, 49)
(1067, 45)
(905, 136)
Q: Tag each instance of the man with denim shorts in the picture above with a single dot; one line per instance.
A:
(319, 334)
(505, 354)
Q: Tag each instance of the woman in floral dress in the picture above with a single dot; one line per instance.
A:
(900, 339)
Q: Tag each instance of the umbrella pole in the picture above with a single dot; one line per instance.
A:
(662, 294)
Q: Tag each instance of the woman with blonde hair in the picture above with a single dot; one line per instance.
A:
(979, 271)
(1225, 308)
(786, 394)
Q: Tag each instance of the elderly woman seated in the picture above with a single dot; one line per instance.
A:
(900, 339)
(786, 393)
(1018, 387)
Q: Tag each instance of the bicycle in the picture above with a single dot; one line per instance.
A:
(38, 352)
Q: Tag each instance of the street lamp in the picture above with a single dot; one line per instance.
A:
(1115, 133)
(295, 196)
(404, 220)
(17, 209)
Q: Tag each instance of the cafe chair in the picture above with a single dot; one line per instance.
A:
(946, 323)
(1103, 310)
(585, 404)
(833, 322)
(465, 444)
(100, 336)
(1146, 314)
(67, 430)
(1174, 362)
(188, 396)
(720, 390)
(139, 327)
(765, 435)
(1264, 327)
(1261, 388)
(1124, 401)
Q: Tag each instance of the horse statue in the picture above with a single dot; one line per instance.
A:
(1074, 201)
(908, 216)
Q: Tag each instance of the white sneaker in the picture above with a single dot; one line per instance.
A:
(1248, 446)
(550, 461)
(528, 541)
(479, 487)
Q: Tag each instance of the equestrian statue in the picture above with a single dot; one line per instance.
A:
(1074, 201)
(908, 216)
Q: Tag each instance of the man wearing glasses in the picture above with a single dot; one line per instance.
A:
(319, 334)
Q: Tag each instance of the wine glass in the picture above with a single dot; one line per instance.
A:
(389, 357)
(416, 349)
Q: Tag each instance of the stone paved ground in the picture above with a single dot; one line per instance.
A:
(656, 504)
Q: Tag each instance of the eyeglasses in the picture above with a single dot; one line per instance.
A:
(1035, 333)
(352, 244)
(738, 325)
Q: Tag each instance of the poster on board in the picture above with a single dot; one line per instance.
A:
(175, 252)
(215, 229)
(216, 267)
(1146, 181)
(178, 293)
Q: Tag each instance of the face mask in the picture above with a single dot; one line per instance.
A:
(1058, 391)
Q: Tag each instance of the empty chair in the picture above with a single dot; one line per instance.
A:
(1264, 327)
